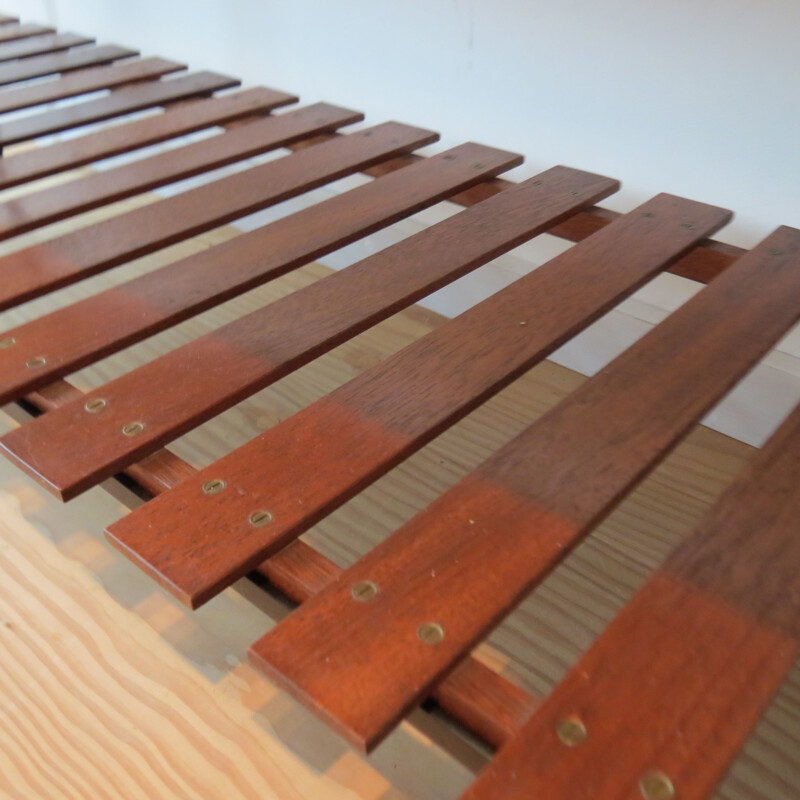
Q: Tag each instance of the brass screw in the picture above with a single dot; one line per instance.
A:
(9, 341)
(214, 486)
(133, 428)
(656, 785)
(364, 591)
(36, 361)
(572, 731)
(260, 518)
(774, 251)
(430, 633)
(688, 225)
(95, 404)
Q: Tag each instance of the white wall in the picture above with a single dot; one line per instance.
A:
(696, 97)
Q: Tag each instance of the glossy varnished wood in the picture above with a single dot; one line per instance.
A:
(120, 316)
(475, 552)
(86, 81)
(706, 642)
(68, 61)
(40, 162)
(34, 209)
(311, 463)
(38, 45)
(222, 368)
(121, 101)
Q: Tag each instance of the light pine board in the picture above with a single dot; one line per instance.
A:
(110, 689)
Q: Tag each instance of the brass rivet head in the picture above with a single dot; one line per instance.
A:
(260, 518)
(95, 404)
(774, 251)
(688, 225)
(36, 361)
(572, 731)
(9, 341)
(656, 785)
(214, 486)
(364, 591)
(133, 428)
(430, 633)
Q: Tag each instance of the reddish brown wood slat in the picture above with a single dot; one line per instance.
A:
(62, 62)
(118, 317)
(39, 269)
(220, 369)
(680, 677)
(90, 80)
(312, 462)
(38, 45)
(12, 31)
(35, 209)
(121, 101)
(40, 162)
(469, 557)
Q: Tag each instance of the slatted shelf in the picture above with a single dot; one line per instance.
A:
(666, 696)
(116, 104)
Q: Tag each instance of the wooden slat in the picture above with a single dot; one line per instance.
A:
(117, 103)
(312, 462)
(682, 674)
(482, 700)
(62, 62)
(113, 140)
(243, 357)
(6, 19)
(39, 269)
(38, 45)
(10, 32)
(54, 203)
(468, 559)
(90, 80)
(118, 317)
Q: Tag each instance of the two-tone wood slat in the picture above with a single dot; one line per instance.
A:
(68, 61)
(41, 162)
(706, 642)
(535, 498)
(39, 45)
(106, 322)
(708, 638)
(85, 82)
(121, 101)
(392, 409)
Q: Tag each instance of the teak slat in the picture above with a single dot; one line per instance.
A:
(467, 560)
(90, 80)
(62, 62)
(220, 369)
(40, 162)
(312, 462)
(120, 316)
(38, 45)
(13, 32)
(39, 269)
(35, 209)
(681, 675)
(119, 102)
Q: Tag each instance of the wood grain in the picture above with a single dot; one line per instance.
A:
(239, 359)
(39, 162)
(121, 101)
(86, 81)
(557, 480)
(62, 62)
(38, 45)
(682, 675)
(35, 209)
(108, 321)
(393, 408)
